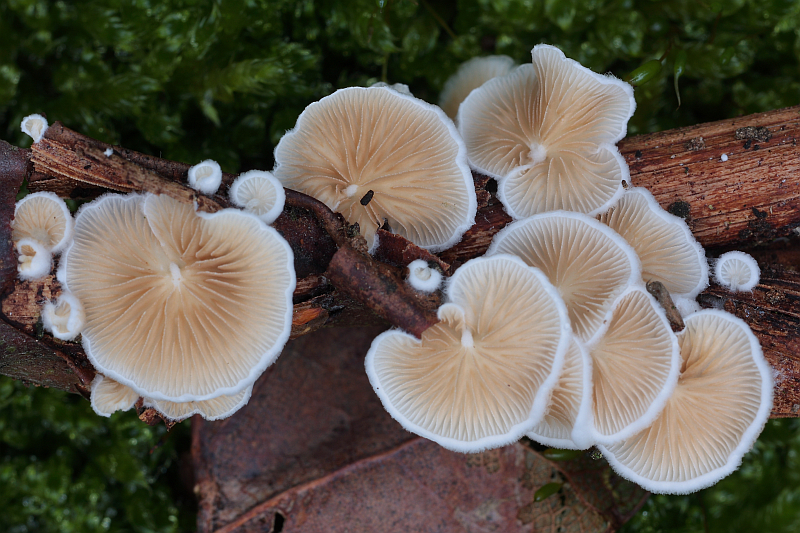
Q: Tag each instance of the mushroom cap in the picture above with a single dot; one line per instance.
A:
(406, 151)
(664, 243)
(260, 193)
(205, 176)
(422, 277)
(719, 407)
(482, 376)
(64, 318)
(213, 409)
(570, 408)
(635, 365)
(34, 126)
(589, 264)
(470, 75)
(546, 132)
(45, 218)
(34, 260)
(109, 396)
(401, 88)
(180, 306)
(737, 271)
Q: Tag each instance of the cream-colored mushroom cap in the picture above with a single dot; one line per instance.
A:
(64, 319)
(109, 396)
(715, 414)
(401, 88)
(570, 408)
(34, 261)
(34, 126)
(258, 192)
(546, 132)
(737, 271)
(213, 409)
(482, 376)
(470, 75)
(180, 306)
(589, 264)
(635, 365)
(664, 243)
(205, 176)
(45, 218)
(376, 155)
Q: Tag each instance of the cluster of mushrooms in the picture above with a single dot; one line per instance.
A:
(551, 334)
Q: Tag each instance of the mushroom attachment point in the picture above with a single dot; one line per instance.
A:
(482, 376)
(180, 306)
(737, 271)
(403, 149)
(260, 193)
(546, 133)
(718, 409)
(422, 277)
(205, 176)
(34, 126)
(470, 75)
(109, 396)
(44, 218)
(64, 318)
(34, 260)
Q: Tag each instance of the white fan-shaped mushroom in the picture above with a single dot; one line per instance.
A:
(737, 271)
(718, 409)
(546, 132)
(635, 367)
(422, 277)
(664, 243)
(376, 155)
(213, 409)
(260, 193)
(482, 376)
(34, 126)
(588, 263)
(34, 260)
(470, 75)
(45, 218)
(180, 306)
(205, 176)
(64, 318)
(570, 409)
(109, 396)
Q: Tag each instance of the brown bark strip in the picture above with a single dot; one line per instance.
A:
(661, 294)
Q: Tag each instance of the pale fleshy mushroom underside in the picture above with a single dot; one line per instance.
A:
(260, 193)
(546, 132)
(378, 156)
(180, 306)
(470, 75)
(34, 261)
(213, 409)
(65, 318)
(482, 376)
(109, 396)
(664, 243)
(718, 409)
(34, 126)
(422, 277)
(45, 218)
(737, 271)
(635, 365)
(589, 264)
(570, 406)
(205, 176)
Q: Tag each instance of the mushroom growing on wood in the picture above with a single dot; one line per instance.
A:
(719, 407)
(34, 261)
(205, 176)
(34, 126)
(258, 192)
(483, 375)
(470, 75)
(737, 271)
(422, 277)
(180, 306)
(546, 132)
(45, 218)
(407, 152)
(64, 319)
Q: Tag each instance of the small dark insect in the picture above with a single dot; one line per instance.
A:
(367, 197)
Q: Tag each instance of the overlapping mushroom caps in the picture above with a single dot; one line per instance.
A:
(546, 132)
(588, 263)
(377, 156)
(737, 271)
(721, 403)
(42, 226)
(664, 243)
(482, 376)
(180, 306)
(470, 75)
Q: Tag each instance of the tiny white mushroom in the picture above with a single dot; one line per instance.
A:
(260, 193)
(422, 277)
(64, 318)
(35, 261)
(45, 218)
(34, 126)
(737, 271)
(205, 176)
(109, 152)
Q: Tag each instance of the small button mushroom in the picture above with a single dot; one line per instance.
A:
(260, 193)
(205, 176)
(65, 318)
(422, 277)
(34, 126)
(737, 271)
(34, 260)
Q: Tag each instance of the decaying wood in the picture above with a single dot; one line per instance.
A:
(750, 198)
(661, 294)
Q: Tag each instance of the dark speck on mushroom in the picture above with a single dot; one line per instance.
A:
(367, 197)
